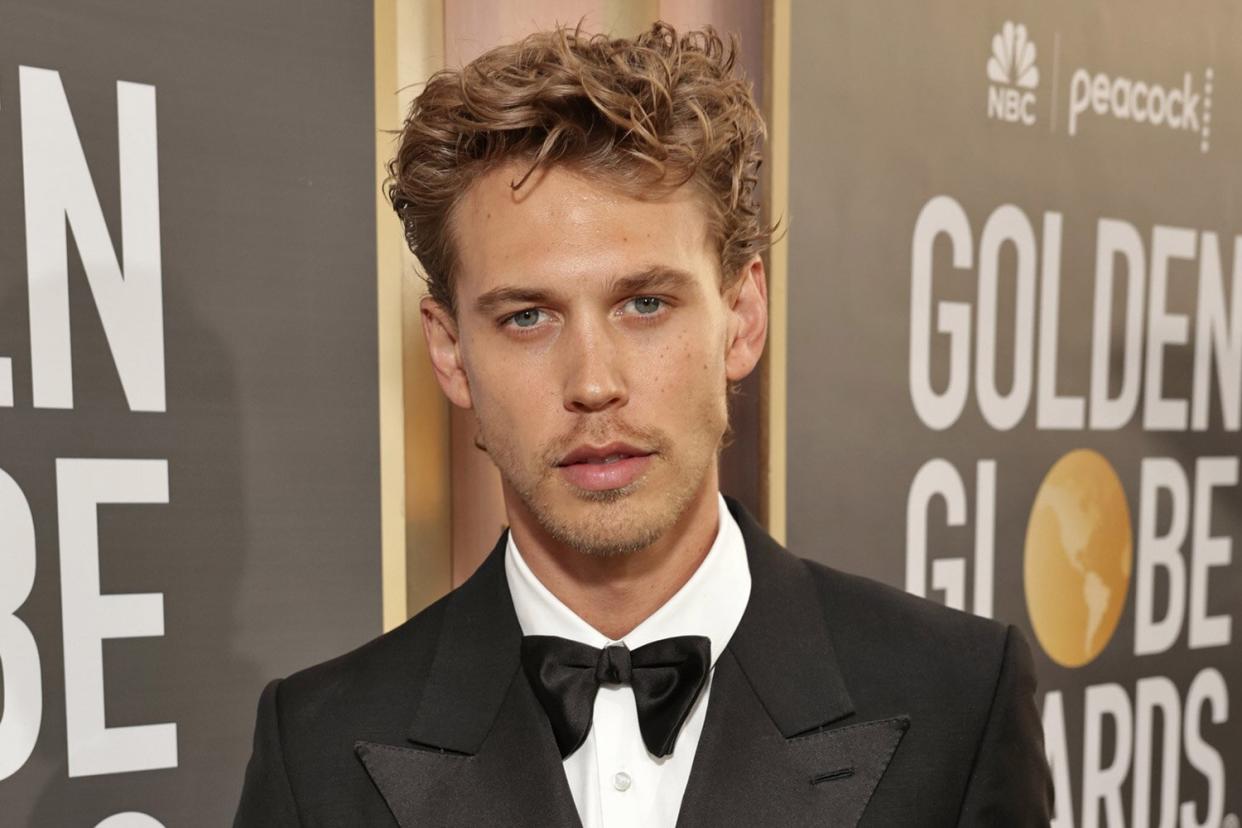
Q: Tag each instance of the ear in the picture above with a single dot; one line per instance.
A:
(440, 331)
(747, 301)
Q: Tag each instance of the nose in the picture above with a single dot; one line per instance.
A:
(594, 380)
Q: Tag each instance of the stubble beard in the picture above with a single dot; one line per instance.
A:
(614, 522)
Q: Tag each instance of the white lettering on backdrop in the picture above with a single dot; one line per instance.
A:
(1176, 552)
(127, 293)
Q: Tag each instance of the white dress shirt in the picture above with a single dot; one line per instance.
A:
(615, 782)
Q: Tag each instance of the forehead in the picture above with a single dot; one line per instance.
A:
(566, 228)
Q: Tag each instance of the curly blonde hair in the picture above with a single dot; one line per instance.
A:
(646, 115)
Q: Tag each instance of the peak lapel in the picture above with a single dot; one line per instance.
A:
(778, 746)
(514, 779)
(746, 773)
(479, 750)
(782, 643)
(476, 658)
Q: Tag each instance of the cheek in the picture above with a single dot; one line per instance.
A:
(503, 399)
(511, 399)
(691, 373)
(493, 388)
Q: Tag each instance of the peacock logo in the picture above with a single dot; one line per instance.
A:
(1013, 57)
(1013, 75)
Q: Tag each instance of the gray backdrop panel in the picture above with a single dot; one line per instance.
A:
(267, 553)
(889, 109)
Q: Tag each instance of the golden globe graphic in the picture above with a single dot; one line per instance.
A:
(1078, 558)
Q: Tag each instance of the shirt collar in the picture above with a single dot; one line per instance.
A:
(710, 604)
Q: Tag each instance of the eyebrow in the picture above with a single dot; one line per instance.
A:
(490, 302)
(652, 279)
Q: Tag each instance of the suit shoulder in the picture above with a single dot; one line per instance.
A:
(869, 617)
(390, 665)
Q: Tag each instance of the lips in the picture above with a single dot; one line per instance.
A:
(601, 468)
(602, 455)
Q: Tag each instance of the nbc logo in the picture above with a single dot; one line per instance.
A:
(1013, 75)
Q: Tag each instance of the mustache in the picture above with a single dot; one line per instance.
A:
(600, 432)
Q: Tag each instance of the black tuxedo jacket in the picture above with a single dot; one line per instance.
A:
(838, 701)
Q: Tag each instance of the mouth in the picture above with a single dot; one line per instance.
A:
(602, 468)
(602, 455)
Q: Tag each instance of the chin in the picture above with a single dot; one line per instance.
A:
(604, 523)
(591, 541)
(614, 521)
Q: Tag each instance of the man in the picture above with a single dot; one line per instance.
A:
(636, 650)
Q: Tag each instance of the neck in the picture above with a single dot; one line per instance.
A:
(616, 593)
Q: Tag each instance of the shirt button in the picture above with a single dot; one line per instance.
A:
(622, 781)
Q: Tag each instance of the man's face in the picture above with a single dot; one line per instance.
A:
(594, 343)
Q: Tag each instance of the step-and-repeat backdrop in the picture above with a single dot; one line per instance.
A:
(1016, 358)
(188, 424)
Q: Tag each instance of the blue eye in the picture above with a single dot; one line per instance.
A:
(526, 318)
(647, 305)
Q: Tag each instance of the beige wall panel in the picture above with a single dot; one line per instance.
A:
(741, 17)
(473, 26)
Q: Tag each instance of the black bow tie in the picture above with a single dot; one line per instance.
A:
(667, 676)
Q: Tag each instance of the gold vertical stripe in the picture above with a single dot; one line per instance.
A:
(428, 510)
(414, 499)
(777, 97)
(388, 296)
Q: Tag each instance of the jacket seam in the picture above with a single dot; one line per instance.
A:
(280, 743)
(401, 750)
(987, 723)
(902, 720)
